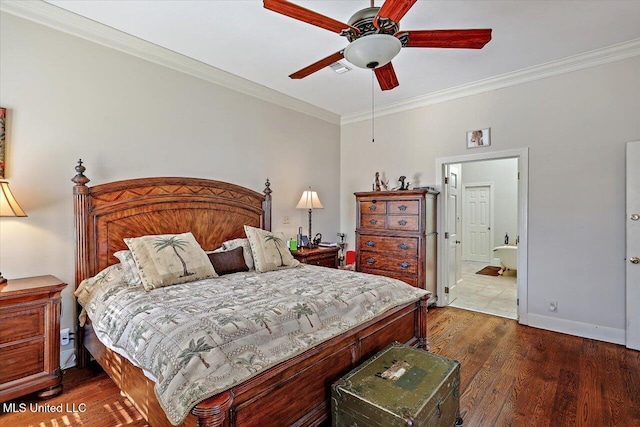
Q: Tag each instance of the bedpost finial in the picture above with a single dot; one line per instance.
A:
(267, 190)
(80, 179)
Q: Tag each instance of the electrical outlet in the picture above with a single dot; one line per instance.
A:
(553, 306)
(64, 336)
(286, 219)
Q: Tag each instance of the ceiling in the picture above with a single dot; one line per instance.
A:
(243, 38)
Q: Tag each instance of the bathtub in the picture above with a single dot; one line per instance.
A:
(508, 257)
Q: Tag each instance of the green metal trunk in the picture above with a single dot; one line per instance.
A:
(399, 386)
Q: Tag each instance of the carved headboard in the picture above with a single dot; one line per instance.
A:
(213, 211)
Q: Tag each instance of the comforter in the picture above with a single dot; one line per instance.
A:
(198, 339)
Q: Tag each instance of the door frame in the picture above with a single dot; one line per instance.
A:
(490, 244)
(522, 154)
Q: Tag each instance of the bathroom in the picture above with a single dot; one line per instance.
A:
(489, 220)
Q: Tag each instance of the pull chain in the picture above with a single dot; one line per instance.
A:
(373, 116)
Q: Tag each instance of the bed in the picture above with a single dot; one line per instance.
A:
(294, 391)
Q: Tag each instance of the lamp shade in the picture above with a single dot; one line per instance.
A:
(8, 204)
(373, 50)
(309, 200)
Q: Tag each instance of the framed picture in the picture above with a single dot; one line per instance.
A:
(305, 241)
(479, 138)
(3, 152)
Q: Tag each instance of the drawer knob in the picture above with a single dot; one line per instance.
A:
(402, 222)
(372, 207)
(371, 261)
(404, 264)
(373, 221)
(402, 208)
(370, 243)
(403, 246)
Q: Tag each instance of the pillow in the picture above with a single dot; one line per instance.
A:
(129, 268)
(269, 250)
(246, 249)
(228, 261)
(169, 259)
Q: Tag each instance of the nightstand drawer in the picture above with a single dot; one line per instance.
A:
(394, 245)
(16, 325)
(22, 360)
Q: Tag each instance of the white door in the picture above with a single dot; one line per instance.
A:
(477, 223)
(633, 245)
(452, 227)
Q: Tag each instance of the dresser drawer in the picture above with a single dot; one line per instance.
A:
(393, 245)
(371, 207)
(411, 280)
(403, 207)
(402, 222)
(374, 221)
(22, 360)
(379, 261)
(19, 324)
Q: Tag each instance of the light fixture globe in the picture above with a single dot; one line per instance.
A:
(373, 50)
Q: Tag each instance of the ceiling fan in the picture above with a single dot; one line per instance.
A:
(375, 38)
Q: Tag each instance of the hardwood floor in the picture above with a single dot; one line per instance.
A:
(511, 375)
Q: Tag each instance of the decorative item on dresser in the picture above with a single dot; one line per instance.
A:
(396, 236)
(325, 257)
(30, 337)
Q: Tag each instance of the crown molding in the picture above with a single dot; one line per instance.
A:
(566, 65)
(79, 26)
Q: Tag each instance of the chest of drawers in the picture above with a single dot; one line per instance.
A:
(396, 235)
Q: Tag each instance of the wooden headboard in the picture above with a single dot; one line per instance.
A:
(213, 211)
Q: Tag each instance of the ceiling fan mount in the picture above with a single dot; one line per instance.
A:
(363, 21)
(375, 38)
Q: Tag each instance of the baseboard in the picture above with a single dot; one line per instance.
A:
(585, 330)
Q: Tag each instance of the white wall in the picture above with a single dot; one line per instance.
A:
(69, 98)
(576, 126)
(503, 174)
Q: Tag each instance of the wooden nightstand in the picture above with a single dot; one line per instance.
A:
(325, 257)
(30, 337)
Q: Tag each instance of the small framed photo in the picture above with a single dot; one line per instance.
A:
(479, 138)
(305, 242)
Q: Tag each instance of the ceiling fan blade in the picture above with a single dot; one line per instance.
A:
(462, 39)
(386, 76)
(300, 13)
(393, 10)
(316, 66)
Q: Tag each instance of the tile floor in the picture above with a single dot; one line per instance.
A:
(487, 294)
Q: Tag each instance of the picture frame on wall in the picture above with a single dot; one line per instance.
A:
(479, 138)
(3, 150)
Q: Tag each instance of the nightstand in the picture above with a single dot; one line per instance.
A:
(325, 257)
(30, 337)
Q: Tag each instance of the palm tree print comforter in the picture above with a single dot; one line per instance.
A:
(200, 338)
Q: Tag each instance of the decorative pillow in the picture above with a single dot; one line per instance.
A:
(129, 268)
(246, 249)
(269, 250)
(228, 261)
(169, 259)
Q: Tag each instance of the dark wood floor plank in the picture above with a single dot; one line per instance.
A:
(511, 375)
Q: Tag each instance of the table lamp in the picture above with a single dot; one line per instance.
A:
(310, 201)
(9, 207)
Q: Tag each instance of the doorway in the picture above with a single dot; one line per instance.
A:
(447, 263)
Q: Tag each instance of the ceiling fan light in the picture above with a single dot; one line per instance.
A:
(372, 51)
